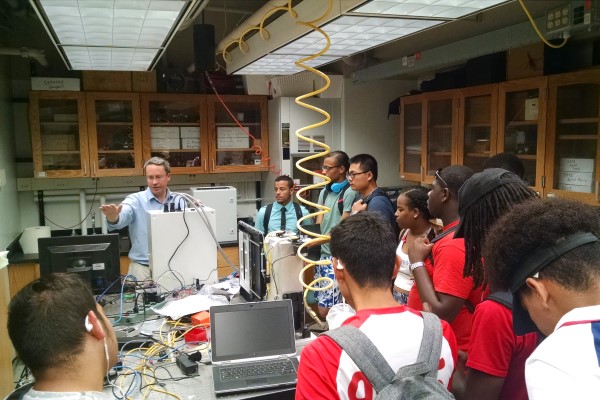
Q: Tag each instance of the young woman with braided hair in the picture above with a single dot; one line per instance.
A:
(496, 356)
(412, 216)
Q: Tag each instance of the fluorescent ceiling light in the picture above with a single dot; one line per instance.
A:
(117, 35)
(367, 25)
(426, 8)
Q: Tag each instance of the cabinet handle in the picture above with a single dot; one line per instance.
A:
(84, 168)
(596, 190)
(422, 173)
(205, 166)
(94, 168)
(213, 164)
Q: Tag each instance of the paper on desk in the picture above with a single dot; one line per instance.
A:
(228, 288)
(190, 305)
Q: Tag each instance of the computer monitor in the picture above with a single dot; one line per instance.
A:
(95, 257)
(252, 262)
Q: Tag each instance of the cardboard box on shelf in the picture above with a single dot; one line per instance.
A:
(190, 132)
(106, 81)
(190, 143)
(575, 178)
(164, 143)
(164, 132)
(575, 188)
(531, 109)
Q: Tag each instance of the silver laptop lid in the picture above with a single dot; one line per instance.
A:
(252, 330)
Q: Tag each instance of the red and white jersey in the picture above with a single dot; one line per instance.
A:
(327, 372)
(566, 365)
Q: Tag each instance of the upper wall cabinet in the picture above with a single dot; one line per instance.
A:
(573, 136)
(114, 129)
(174, 126)
(522, 125)
(477, 131)
(237, 127)
(59, 140)
(428, 138)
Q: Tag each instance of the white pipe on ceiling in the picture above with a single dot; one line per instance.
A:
(38, 55)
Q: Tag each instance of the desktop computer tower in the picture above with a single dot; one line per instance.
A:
(181, 248)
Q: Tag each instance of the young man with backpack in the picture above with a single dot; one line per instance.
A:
(339, 197)
(389, 338)
(283, 214)
(362, 176)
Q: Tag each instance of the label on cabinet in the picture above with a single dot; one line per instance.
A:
(575, 178)
(190, 143)
(531, 109)
(190, 132)
(576, 165)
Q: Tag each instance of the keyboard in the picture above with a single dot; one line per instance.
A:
(275, 367)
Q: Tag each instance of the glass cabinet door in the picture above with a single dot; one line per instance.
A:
(522, 117)
(115, 134)
(411, 138)
(239, 139)
(440, 126)
(478, 122)
(59, 134)
(574, 110)
(174, 128)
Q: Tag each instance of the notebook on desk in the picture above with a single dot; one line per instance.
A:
(253, 346)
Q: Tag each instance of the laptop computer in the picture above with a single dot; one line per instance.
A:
(253, 346)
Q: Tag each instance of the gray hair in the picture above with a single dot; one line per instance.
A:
(158, 161)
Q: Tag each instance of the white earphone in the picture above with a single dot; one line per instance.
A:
(88, 324)
(339, 265)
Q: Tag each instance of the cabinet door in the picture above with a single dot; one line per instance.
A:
(58, 128)
(477, 132)
(239, 139)
(522, 124)
(411, 138)
(174, 128)
(573, 133)
(115, 139)
(441, 123)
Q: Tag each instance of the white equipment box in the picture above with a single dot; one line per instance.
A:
(224, 200)
(181, 248)
(285, 267)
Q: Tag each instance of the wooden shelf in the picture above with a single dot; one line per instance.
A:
(441, 126)
(223, 150)
(478, 125)
(234, 124)
(59, 123)
(413, 127)
(414, 152)
(478, 154)
(522, 123)
(60, 152)
(577, 137)
(154, 123)
(176, 150)
(440, 153)
(578, 120)
(115, 151)
(527, 156)
(105, 123)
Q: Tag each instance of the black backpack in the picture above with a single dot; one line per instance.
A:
(268, 211)
(414, 381)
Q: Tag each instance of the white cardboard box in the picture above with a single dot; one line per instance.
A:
(232, 137)
(531, 109)
(577, 164)
(190, 132)
(165, 143)
(164, 132)
(41, 83)
(575, 178)
(576, 188)
(190, 143)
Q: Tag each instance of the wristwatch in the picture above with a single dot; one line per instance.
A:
(416, 265)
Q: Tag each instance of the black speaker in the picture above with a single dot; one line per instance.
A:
(204, 47)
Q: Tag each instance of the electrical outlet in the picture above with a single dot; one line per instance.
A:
(2, 177)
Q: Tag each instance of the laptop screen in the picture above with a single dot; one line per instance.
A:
(250, 330)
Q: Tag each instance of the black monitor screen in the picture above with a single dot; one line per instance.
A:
(95, 257)
(252, 262)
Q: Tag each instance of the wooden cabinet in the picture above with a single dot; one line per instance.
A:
(522, 125)
(238, 133)
(59, 140)
(477, 125)
(573, 134)
(114, 130)
(174, 126)
(428, 139)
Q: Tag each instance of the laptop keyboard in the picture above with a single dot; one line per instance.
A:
(279, 367)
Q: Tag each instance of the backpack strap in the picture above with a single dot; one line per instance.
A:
(372, 364)
(502, 297)
(438, 237)
(364, 354)
(267, 218)
(298, 211)
(340, 199)
(428, 359)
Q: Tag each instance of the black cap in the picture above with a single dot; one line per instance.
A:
(478, 186)
(522, 322)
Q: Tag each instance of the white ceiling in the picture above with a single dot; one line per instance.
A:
(19, 27)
